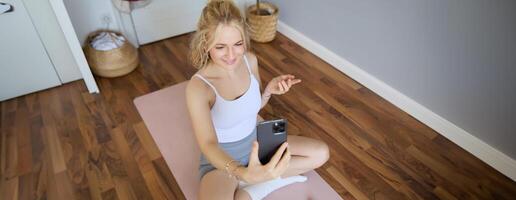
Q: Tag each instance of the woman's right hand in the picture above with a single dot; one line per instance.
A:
(256, 172)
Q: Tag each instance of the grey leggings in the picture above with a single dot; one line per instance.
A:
(238, 150)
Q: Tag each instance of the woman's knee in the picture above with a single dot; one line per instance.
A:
(321, 154)
(242, 195)
(217, 185)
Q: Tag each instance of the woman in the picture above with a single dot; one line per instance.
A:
(223, 100)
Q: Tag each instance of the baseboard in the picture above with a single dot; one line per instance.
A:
(498, 160)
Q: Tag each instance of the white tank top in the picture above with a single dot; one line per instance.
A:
(234, 120)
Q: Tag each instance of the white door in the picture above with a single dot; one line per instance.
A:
(166, 18)
(24, 64)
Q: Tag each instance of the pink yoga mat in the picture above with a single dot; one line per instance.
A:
(165, 115)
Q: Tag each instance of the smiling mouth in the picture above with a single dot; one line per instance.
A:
(230, 62)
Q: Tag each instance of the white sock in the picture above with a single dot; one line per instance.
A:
(260, 190)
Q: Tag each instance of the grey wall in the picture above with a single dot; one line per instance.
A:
(455, 57)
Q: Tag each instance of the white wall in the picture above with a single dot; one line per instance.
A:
(53, 39)
(87, 16)
(71, 38)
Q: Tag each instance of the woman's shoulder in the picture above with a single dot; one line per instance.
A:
(253, 61)
(198, 89)
(251, 57)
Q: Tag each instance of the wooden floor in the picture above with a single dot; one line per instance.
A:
(64, 143)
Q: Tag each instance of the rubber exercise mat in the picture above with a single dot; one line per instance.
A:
(166, 117)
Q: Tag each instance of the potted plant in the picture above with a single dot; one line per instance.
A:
(262, 19)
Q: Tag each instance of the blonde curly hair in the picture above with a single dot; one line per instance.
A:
(215, 14)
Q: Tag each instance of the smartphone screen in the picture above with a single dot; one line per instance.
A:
(270, 134)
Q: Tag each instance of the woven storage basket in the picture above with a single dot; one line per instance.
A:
(262, 28)
(112, 63)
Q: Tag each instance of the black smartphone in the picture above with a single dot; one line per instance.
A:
(270, 134)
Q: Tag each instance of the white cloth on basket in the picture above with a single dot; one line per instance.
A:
(106, 41)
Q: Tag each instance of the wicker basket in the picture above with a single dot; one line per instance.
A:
(262, 28)
(113, 63)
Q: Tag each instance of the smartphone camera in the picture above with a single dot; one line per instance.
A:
(279, 127)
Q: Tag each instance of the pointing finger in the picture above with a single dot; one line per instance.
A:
(296, 81)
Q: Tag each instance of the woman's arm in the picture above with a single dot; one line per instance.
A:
(278, 85)
(265, 98)
(197, 102)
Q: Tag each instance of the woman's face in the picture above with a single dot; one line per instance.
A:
(228, 49)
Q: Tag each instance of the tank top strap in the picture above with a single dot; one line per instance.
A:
(248, 66)
(207, 82)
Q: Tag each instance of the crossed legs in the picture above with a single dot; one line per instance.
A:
(217, 184)
(307, 154)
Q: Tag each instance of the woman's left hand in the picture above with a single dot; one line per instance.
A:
(281, 84)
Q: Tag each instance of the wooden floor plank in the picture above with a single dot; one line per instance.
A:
(9, 189)
(64, 143)
(348, 185)
(135, 175)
